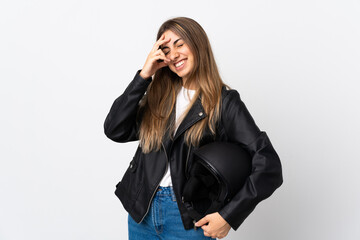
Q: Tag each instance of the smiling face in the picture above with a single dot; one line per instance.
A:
(182, 59)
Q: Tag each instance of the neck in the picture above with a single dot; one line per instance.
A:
(192, 86)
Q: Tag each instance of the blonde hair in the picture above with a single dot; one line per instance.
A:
(159, 101)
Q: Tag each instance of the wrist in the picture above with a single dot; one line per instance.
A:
(144, 75)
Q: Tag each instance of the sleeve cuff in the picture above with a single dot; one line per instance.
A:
(137, 75)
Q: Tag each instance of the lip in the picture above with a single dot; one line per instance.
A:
(180, 67)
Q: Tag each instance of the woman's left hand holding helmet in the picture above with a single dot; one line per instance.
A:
(214, 225)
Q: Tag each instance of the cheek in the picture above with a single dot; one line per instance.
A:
(172, 68)
(191, 57)
(192, 61)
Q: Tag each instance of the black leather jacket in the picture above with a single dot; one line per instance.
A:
(145, 171)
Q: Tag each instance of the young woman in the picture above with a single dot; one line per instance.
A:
(176, 103)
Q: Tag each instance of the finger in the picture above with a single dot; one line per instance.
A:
(209, 234)
(166, 40)
(160, 52)
(206, 234)
(156, 56)
(156, 45)
(160, 42)
(162, 39)
(201, 222)
(161, 58)
(161, 55)
(162, 64)
(205, 228)
(160, 61)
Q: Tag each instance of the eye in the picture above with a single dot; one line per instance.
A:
(180, 45)
(166, 53)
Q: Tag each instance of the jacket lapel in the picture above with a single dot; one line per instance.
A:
(195, 114)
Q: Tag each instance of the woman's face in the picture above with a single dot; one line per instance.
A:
(182, 59)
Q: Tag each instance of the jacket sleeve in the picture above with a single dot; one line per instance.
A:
(266, 173)
(121, 122)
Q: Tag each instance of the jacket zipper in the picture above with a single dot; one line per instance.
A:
(149, 204)
(186, 163)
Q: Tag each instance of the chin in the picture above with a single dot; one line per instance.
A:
(182, 74)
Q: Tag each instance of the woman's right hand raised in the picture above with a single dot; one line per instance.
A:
(156, 59)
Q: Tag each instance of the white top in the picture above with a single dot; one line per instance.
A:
(182, 102)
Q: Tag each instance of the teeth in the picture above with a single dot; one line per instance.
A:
(179, 63)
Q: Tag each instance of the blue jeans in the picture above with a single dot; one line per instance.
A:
(163, 221)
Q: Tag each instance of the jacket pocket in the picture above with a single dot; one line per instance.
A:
(127, 190)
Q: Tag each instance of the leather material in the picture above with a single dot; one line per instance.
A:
(138, 186)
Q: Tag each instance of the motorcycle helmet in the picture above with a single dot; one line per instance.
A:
(218, 171)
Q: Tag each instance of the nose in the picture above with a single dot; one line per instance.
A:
(174, 55)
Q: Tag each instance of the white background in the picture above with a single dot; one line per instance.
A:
(296, 65)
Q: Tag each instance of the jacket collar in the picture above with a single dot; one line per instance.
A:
(195, 114)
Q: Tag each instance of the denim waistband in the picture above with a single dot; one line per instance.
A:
(166, 192)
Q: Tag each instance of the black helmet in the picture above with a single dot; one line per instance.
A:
(217, 173)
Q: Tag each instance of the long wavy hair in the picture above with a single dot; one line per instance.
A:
(159, 101)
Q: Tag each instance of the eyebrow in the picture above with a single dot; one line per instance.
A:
(173, 43)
